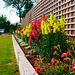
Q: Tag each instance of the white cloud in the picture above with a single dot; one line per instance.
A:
(9, 12)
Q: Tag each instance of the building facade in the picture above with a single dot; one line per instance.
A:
(67, 7)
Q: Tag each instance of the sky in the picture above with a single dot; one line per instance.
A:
(9, 12)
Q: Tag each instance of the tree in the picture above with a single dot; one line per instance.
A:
(27, 7)
(18, 4)
(2, 21)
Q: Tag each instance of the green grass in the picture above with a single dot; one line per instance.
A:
(8, 64)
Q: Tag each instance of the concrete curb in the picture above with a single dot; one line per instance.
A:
(25, 67)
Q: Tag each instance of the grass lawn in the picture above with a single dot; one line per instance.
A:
(8, 64)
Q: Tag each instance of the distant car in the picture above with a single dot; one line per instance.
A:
(2, 31)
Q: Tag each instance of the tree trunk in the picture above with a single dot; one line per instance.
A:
(20, 17)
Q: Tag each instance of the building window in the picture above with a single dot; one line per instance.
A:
(69, 9)
(59, 17)
(59, 12)
(72, 32)
(69, 15)
(59, 3)
(68, 3)
(59, 7)
(73, 13)
(69, 20)
(69, 26)
(72, 20)
(69, 32)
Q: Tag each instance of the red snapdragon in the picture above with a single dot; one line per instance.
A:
(68, 52)
(51, 27)
(55, 53)
(36, 41)
(39, 36)
(43, 17)
(34, 32)
(63, 54)
(73, 63)
(58, 63)
(72, 69)
(38, 68)
(52, 60)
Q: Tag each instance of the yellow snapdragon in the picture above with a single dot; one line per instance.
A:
(27, 30)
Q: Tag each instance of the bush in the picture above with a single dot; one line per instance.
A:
(45, 34)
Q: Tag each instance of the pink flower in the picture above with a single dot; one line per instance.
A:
(14, 34)
(32, 50)
(68, 52)
(55, 53)
(36, 41)
(52, 60)
(34, 32)
(63, 55)
(30, 42)
(23, 35)
(73, 63)
(35, 58)
(24, 51)
(58, 63)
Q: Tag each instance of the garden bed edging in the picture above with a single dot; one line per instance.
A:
(25, 67)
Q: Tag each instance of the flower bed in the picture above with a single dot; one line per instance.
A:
(45, 42)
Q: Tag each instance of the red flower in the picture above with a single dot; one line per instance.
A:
(31, 38)
(38, 68)
(60, 37)
(30, 42)
(58, 46)
(39, 36)
(55, 53)
(53, 22)
(63, 55)
(68, 52)
(36, 63)
(73, 63)
(55, 47)
(38, 25)
(58, 63)
(33, 26)
(34, 32)
(67, 59)
(45, 18)
(52, 61)
(35, 21)
(36, 41)
(64, 60)
(72, 69)
(51, 27)
(30, 34)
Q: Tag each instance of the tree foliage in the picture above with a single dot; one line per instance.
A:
(18, 4)
(27, 7)
(2, 21)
